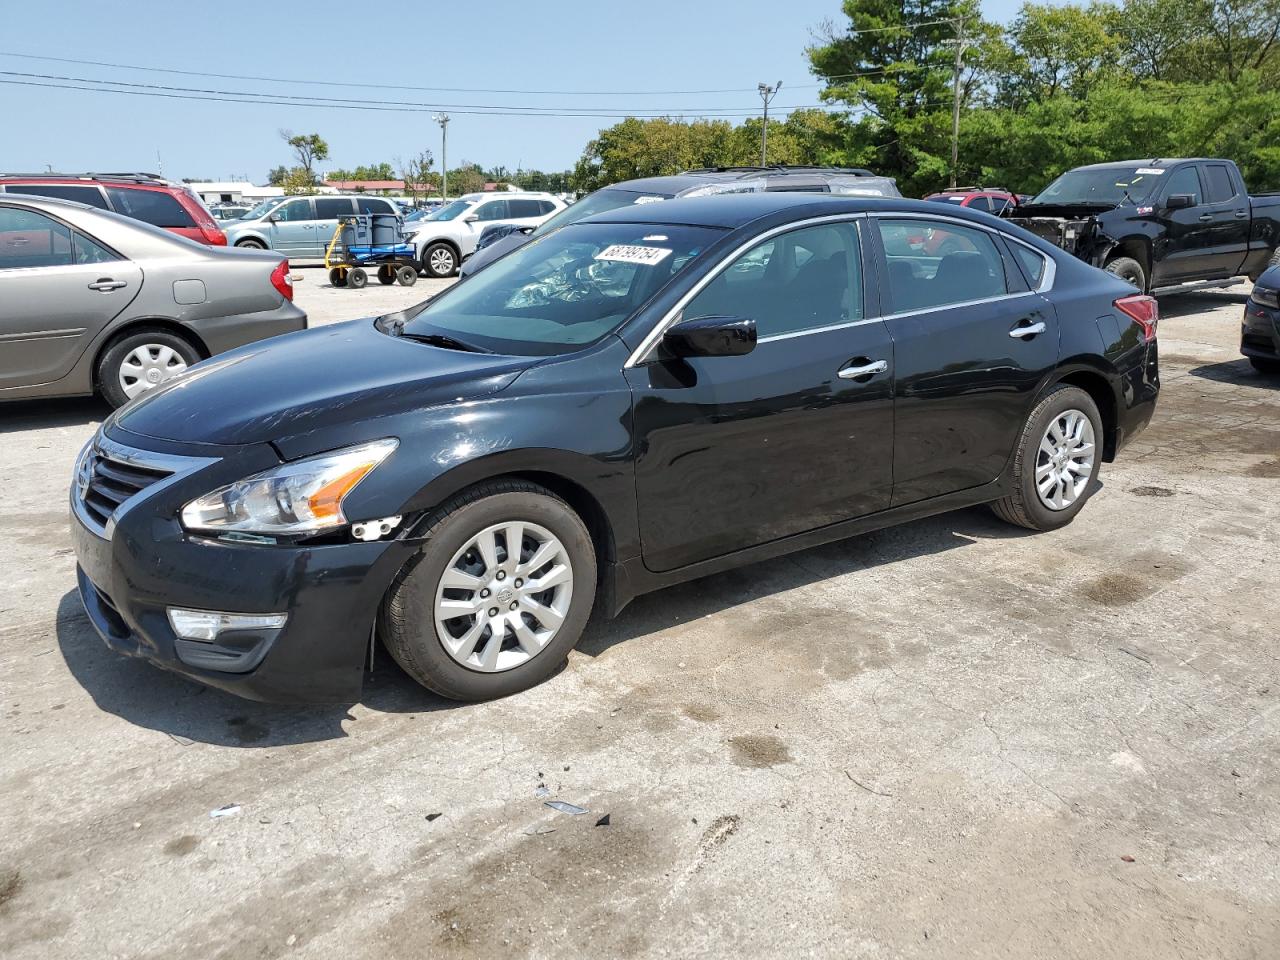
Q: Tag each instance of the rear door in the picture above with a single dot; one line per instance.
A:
(971, 344)
(1228, 204)
(328, 210)
(58, 290)
(795, 435)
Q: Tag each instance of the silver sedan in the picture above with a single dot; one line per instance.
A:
(94, 302)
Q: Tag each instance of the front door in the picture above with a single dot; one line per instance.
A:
(971, 345)
(796, 435)
(58, 289)
(293, 228)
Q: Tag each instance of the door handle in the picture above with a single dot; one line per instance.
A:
(1030, 330)
(1241, 214)
(867, 370)
(1205, 217)
(106, 284)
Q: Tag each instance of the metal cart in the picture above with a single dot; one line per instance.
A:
(370, 242)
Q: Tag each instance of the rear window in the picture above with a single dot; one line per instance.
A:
(1219, 189)
(1032, 263)
(80, 193)
(150, 206)
(524, 208)
(373, 205)
(331, 208)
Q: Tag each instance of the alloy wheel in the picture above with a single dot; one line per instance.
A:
(1064, 460)
(147, 366)
(441, 262)
(503, 596)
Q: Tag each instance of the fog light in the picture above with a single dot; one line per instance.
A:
(208, 624)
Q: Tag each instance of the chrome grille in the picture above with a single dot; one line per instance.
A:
(112, 482)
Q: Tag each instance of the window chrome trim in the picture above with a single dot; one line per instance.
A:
(961, 303)
(1046, 280)
(673, 315)
(108, 449)
(826, 329)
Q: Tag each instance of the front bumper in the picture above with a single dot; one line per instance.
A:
(220, 334)
(144, 562)
(1260, 332)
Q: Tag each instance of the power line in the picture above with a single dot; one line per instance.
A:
(373, 105)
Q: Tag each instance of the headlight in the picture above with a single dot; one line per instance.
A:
(1266, 297)
(301, 497)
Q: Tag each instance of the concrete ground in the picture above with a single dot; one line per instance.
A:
(948, 739)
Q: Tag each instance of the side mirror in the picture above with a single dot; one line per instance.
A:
(471, 219)
(712, 337)
(273, 218)
(1180, 201)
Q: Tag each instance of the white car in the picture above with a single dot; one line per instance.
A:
(442, 240)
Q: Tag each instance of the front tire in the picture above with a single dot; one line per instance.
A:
(440, 260)
(251, 245)
(1056, 462)
(1265, 365)
(456, 620)
(1130, 271)
(140, 361)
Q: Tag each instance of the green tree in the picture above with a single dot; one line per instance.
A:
(276, 176)
(307, 149)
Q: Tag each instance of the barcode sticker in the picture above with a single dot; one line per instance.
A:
(627, 253)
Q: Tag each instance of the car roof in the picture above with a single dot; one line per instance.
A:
(729, 211)
(678, 182)
(1153, 162)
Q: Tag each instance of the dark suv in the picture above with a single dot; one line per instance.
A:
(844, 181)
(142, 196)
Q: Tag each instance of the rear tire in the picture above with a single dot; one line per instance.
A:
(357, 278)
(141, 360)
(251, 245)
(1265, 365)
(386, 275)
(407, 276)
(409, 620)
(338, 277)
(1130, 271)
(1026, 506)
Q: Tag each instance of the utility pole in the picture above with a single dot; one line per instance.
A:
(767, 93)
(443, 120)
(960, 44)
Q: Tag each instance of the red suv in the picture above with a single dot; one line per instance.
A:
(991, 200)
(142, 196)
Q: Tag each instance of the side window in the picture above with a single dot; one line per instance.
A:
(372, 205)
(85, 193)
(30, 239)
(524, 208)
(331, 208)
(493, 210)
(1185, 180)
(150, 206)
(981, 203)
(545, 207)
(1032, 263)
(932, 264)
(1219, 187)
(797, 281)
(294, 210)
(90, 251)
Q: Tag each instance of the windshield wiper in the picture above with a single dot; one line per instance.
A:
(439, 340)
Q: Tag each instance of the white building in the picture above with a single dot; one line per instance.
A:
(234, 191)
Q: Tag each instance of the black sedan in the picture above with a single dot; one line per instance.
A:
(654, 394)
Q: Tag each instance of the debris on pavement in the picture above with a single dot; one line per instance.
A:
(434, 816)
(539, 830)
(230, 810)
(1127, 859)
(569, 808)
(603, 821)
(542, 791)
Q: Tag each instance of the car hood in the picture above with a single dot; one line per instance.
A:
(1071, 211)
(303, 382)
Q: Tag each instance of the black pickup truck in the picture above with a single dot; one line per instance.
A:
(1163, 225)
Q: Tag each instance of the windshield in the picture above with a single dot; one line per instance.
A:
(1109, 186)
(598, 202)
(262, 209)
(451, 210)
(946, 199)
(562, 292)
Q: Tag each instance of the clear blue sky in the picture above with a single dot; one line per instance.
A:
(572, 45)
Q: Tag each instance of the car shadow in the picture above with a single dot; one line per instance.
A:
(1189, 304)
(21, 415)
(1236, 371)
(146, 696)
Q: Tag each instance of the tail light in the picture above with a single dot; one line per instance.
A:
(1142, 310)
(281, 280)
(208, 227)
(213, 235)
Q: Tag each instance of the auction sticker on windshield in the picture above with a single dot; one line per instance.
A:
(627, 253)
(1150, 171)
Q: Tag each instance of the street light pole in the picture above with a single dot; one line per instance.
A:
(960, 45)
(443, 120)
(767, 93)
